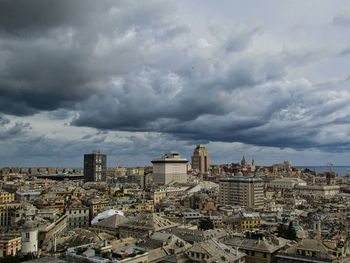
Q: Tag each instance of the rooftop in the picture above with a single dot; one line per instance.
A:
(241, 179)
(170, 157)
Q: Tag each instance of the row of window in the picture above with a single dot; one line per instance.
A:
(78, 224)
(78, 218)
(78, 211)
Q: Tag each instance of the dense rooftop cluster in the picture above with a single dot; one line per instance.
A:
(238, 212)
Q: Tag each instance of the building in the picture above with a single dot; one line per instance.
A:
(97, 206)
(214, 251)
(158, 196)
(171, 168)
(241, 190)
(108, 223)
(51, 203)
(143, 224)
(318, 190)
(27, 195)
(307, 250)
(30, 238)
(244, 162)
(257, 250)
(77, 216)
(201, 160)
(95, 167)
(9, 245)
(8, 214)
(50, 231)
(103, 251)
(250, 220)
(286, 183)
(6, 197)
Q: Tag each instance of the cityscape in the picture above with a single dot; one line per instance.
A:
(150, 131)
(174, 210)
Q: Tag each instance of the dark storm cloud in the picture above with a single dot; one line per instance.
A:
(295, 116)
(10, 131)
(22, 16)
(44, 151)
(138, 67)
(4, 120)
(56, 53)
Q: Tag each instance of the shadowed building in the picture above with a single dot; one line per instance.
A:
(201, 160)
(95, 167)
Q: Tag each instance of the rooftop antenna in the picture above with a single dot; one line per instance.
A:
(330, 165)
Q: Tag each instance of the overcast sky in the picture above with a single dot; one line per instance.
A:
(134, 79)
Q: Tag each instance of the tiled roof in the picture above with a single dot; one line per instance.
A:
(152, 222)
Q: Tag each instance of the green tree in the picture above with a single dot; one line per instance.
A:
(291, 233)
(287, 232)
(205, 224)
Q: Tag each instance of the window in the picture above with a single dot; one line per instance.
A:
(28, 235)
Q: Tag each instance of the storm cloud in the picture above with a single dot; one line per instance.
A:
(145, 67)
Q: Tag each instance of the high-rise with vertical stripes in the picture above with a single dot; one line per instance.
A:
(201, 160)
(95, 167)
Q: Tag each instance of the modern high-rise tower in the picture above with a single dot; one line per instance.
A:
(201, 160)
(95, 167)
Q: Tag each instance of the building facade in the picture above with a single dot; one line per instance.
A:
(27, 195)
(29, 238)
(6, 197)
(171, 168)
(10, 245)
(241, 190)
(8, 214)
(95, 167)
(201, 160)
(318, 190)
(77, 216)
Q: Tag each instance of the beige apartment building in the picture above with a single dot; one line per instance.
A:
(10, 245)
(77, 216)
(241, 190)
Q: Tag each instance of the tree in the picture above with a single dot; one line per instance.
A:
(281, 230)
(291, 233)
(205, 224)
(287, 232)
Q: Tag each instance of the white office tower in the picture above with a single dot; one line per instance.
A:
(169, 169)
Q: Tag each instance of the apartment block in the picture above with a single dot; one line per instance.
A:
(241, 190)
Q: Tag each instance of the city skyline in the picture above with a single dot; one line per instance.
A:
(268, 81)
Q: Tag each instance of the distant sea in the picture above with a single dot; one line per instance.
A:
(340, 170)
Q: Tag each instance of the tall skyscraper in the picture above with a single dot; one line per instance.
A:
(241, 190)
(201, 160)
(95, 167)
(171, 168)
